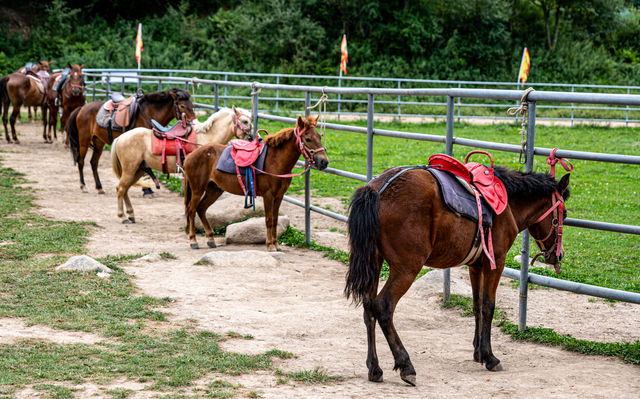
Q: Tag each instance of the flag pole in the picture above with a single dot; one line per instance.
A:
(339, 85)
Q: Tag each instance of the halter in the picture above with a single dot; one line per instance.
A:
(307, 152)
(238, 125)
(558, 211)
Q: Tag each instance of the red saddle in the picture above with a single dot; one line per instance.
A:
(122, 110)
(178, 140)
(245, 153)
(476, 174)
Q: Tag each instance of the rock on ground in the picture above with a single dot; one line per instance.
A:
(83, 263)
(253, 231)
(240, 258)
(228, 209)
(432, 282)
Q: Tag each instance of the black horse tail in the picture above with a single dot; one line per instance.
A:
(4, 94)
(72, 132)
(363, 225)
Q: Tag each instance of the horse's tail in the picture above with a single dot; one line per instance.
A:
(72, 132)
(363, 226)
(115, 161)
(4, 94)
(187, 199)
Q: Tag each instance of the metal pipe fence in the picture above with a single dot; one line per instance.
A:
(397, 107)
(509, 96)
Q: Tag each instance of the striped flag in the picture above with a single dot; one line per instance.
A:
(524, 67)
(139, 47)
(345, 55)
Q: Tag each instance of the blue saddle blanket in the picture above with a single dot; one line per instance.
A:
(227, 164)
(459, 200)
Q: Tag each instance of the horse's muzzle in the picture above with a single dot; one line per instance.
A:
(320, 162)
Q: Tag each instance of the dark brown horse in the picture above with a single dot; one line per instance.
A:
(204, 183)
(20, 89)
(70, 96)
(84, 132)
(35, 68)
(409, 226)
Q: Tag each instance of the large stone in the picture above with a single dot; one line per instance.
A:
(240, 259)
(229, 208)
(83, 263)
(432, 284)
(152, 257)
(253, 231)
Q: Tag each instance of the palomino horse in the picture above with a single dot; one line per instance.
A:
(84, 132)
(20, 89)
(131, 153)
(204, 183)
(41, 66)
(70, 96)
(409, 226)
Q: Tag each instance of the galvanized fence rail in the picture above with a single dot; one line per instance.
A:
(398, 106)
(449, 140)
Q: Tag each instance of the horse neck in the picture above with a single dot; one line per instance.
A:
(526, 212)
(285, 155)
(220, 132)
(161, 112)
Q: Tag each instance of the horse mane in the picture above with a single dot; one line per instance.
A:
(276, 139)
(164, 96)
(527, 185)
(216, 116)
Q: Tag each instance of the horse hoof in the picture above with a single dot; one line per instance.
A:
(409, 379)
(497, 367)
(376, 376)
(211, 244)
(149, 195)
(101, 191)
(83, 189)
(129, 220)
(195, 245)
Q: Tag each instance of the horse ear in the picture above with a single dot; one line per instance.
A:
(69, 65)
(174, 93)
(563, 185)
(235, 110)
(300, 122)
(313, 121)
(81, 66)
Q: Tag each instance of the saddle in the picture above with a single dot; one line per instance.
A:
(59, 82)
(178, 140)
(245, 153)
(40, 84)
(481, 181)
(117, 114)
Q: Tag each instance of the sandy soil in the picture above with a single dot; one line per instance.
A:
(298, 306)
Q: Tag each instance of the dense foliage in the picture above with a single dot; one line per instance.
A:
(587, 41)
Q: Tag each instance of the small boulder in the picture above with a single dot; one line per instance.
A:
(253, 231)
(432, 284)
(83, 263)
(152, 257)
(240, 259)
(228, 209)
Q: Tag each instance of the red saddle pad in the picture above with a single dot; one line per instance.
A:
(244, 152)
(157, 144)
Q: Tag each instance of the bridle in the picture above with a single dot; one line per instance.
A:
(238, 125)
(558, 209)
(307, 153)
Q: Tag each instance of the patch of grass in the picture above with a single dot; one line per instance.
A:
(170, 182)
(120, 393)
(167, 255)
(627, 351)
(233, 334)
(280, 353)
(295, 238)
(221, 389)
(54, 391)
(315, 376)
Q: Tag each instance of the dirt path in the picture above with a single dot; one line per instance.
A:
(298, 306)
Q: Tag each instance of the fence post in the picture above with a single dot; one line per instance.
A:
(524, 254)
(339, 85)
(108, 91)
(277, 92)
(139, 83)
(122, 87)
(160, 85)
(446, 273)
(626, 124)
(572, 90)
(224, 99)
(307, 181)
(399, 106)
(254, 109)
(370, 137)
(216, 98)
(93, 90)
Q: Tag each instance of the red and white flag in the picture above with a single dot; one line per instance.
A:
(344, 58)
(139, 47)
(523, 74)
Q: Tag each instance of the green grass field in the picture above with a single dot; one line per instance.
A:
(599, 191)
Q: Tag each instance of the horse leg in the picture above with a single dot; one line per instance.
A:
(122, 191)
(5, 119)
(475, 275)
(212, 193)
(30, 118)
(491, 278)
(44, 124)
(375, 372)
(15, 113)
(191, 208)
(400, 279)
(98, 146)
(271, 208)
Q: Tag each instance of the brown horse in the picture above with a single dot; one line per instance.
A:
(409, 226)
(20, 89)
(41, 66)
(84, 132)
(70, 96)
(132, 152)
(204, 184)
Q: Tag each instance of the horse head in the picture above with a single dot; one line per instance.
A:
(242, 126)
(44, 65)
(310, 142)
(76, 79)
(547, 229)
(183, 105)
